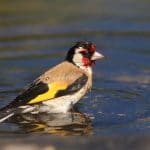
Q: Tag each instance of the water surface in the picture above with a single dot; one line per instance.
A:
(35, 35)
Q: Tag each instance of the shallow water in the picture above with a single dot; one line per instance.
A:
(35, 35)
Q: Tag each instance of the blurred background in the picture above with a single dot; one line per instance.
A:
(36, 34)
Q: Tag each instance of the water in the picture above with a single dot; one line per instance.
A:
(35, 35)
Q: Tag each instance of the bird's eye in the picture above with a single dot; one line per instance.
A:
(84, 51)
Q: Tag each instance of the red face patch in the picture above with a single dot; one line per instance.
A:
(87, 62)
(93, 48)
(93, 63)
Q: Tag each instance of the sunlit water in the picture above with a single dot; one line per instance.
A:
(35, 37)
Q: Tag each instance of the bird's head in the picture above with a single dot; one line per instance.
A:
(83, 54)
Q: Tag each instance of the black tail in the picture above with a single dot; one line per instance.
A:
(6, 114)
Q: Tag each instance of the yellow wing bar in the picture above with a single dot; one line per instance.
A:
(53, 88)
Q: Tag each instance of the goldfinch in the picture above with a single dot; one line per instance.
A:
(59, 88)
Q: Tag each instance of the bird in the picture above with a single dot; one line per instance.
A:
(59, 88)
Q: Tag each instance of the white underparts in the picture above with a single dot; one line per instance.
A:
(63, 104)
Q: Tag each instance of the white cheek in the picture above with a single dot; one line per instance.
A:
(77, 59)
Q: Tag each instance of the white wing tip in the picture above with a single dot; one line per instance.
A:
(6, 117)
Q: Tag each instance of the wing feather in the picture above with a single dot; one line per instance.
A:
(39, 91)
(52, 89)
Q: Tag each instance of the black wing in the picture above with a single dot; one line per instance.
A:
(39, 87)
(76, 86)
(29, 93)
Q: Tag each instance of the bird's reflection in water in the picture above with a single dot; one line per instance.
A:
(71, 123)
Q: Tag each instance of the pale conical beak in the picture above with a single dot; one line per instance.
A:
(96, 56)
